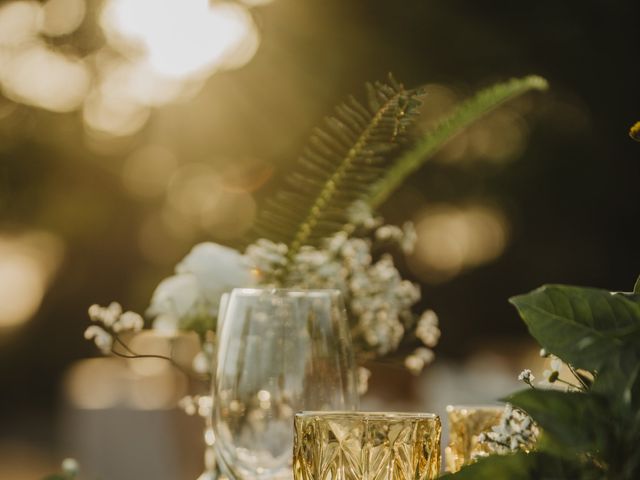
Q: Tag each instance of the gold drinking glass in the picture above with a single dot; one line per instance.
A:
(466, 423)
(366, 446)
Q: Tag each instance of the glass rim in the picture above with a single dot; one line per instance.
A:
(347, 413)
(294, 292)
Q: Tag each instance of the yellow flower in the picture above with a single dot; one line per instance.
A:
(634, 131)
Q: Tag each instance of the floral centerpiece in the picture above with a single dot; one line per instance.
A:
(320, 231)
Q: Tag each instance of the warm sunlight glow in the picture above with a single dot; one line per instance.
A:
(113, 116)
(181, 38)
(39, 76)
(146, 172)
(19, 22)
(26, 265)
(97, 383)
(62, 17)
(451, 239)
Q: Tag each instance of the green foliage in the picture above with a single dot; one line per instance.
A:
(354, 157)
(589, 434)
(636, 287)
(522, 466)
(338, 166)
(562, 415)
(457, 121)
(583, 326)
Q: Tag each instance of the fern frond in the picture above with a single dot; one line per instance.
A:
(340, 163)
(462, 117)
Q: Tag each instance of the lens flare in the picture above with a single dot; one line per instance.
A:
(38, 76)
(181, 38)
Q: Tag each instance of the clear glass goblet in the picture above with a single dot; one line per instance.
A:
(279, 352)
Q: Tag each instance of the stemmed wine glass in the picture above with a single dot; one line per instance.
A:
(279, 352)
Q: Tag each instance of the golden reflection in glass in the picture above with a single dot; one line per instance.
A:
(466, 423)
(454, 238)
(366, 446)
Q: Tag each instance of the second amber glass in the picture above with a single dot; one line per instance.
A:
(466, 423)
(366, 446)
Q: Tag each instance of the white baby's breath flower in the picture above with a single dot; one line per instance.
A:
(101, 337)
(516, 431)
(201, 363)
(552, 374)
(427, 329)
(526, 376)
(389, 233)
(105, 315)
(420, 358)
(188, 404)
(128, 321)
(409, 238)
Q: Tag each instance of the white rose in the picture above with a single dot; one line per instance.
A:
(174, 298)
(202, 277)
(217, 268)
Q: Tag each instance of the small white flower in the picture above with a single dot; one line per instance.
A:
(515, 431)
(102, 338)
(427, 329)
(526, 376)
(556, 364)
(414, 364)
(105, 315)
(551, 375)
(420, 358)
(389, 233)
(188, 404)
(201, 363)
(129, 321)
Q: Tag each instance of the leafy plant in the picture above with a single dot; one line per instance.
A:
(447, 128)
(355, 158)
(593, 433)
(338, 166)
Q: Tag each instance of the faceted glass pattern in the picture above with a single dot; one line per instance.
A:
(466, 423)
(366, 446)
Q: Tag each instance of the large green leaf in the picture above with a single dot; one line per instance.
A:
(576, 421)
(619, 380)
(523, 466)
(636, 287)
(583, 326)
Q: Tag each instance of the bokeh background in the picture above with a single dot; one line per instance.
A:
(132, 129)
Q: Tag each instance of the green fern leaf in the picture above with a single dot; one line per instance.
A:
(341, 162)
(462, 117)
